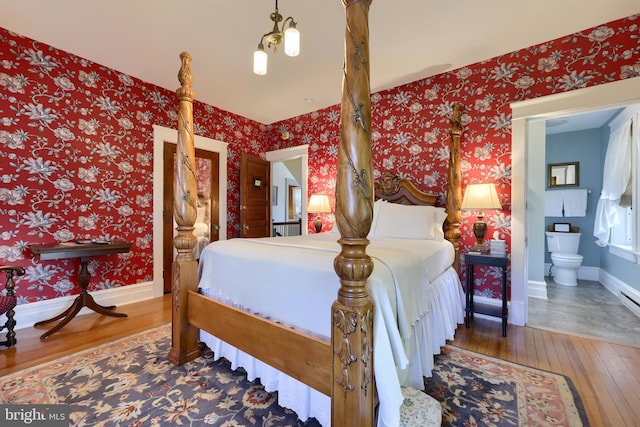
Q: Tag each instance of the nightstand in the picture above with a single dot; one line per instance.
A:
(500, 261)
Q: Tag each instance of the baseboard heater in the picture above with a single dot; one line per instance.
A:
(631, 300)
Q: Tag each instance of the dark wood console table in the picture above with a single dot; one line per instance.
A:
(84, 251)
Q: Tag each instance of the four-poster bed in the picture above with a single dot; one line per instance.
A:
(340, 368)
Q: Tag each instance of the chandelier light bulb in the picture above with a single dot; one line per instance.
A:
(260, 61)
(292, 40)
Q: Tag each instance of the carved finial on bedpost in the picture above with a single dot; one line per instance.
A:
(352, 313)
(184, 337)
(454, 193)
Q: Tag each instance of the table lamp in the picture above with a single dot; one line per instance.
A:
(479, 197)
(318, 204)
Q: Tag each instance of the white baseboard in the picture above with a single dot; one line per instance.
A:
(517, 313)
(612, 283)
(537, 289)
(28, 314)
(584, 273)
(488, 301)
(589, 273)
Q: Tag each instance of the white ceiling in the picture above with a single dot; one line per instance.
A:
(581, 121)
(410, 39)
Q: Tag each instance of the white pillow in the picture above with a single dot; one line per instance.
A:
(376, 208)
(437, 222)
(376, 214)
(410, 222)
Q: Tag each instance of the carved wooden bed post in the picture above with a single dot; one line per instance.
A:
(352, 313)
(454, 192)
(184, 337)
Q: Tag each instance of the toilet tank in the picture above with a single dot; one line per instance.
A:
(563, 242)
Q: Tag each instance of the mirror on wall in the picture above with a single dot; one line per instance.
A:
(563, 174)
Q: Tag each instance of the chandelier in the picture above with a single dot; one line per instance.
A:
(290, 35)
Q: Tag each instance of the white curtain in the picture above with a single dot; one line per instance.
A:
(617, 169)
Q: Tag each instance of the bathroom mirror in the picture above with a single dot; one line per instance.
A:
(563, 175)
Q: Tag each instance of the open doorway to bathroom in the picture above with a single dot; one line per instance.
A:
(592, 308)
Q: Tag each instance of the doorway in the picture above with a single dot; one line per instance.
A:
(207, 226)
(527, 185)
(593, 308)
(161, 135)
(290, 175)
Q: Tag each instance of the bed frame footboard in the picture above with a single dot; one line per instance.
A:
(302, 356)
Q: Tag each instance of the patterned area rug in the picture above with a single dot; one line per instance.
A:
(129, 382)
(479, 390)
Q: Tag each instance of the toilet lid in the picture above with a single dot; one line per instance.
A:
(567, 256)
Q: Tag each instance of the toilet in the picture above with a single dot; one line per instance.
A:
(564, 257)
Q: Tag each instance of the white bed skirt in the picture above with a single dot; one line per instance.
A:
(430, 333)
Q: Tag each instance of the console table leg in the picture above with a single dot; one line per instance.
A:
(82, 300)
(69, 314)
(58, 317)
(101, 309)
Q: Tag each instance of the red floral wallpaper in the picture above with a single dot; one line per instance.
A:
(410, 123)
(77, 143)
(76, 163)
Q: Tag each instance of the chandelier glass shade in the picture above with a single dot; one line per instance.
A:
(288, 33)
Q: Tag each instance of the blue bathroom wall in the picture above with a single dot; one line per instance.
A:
(585, 147)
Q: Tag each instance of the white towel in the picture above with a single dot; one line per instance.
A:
(553, 203)
(575, 202)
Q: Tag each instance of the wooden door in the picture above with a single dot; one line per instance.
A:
(255, 197)
(207, 177)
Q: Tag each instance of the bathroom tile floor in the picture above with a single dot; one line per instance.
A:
(588, 310)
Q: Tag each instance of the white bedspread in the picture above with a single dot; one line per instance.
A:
(292, 280)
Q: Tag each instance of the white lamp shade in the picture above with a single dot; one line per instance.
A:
(292, 41)
(481, 196)
(260, 62)
(319, 203)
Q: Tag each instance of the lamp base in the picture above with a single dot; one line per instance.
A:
(480, 230)
(318, 225)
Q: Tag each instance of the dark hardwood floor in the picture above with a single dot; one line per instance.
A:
(82, 332)
(607, 376)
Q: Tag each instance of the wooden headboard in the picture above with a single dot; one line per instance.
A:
(394, 189)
